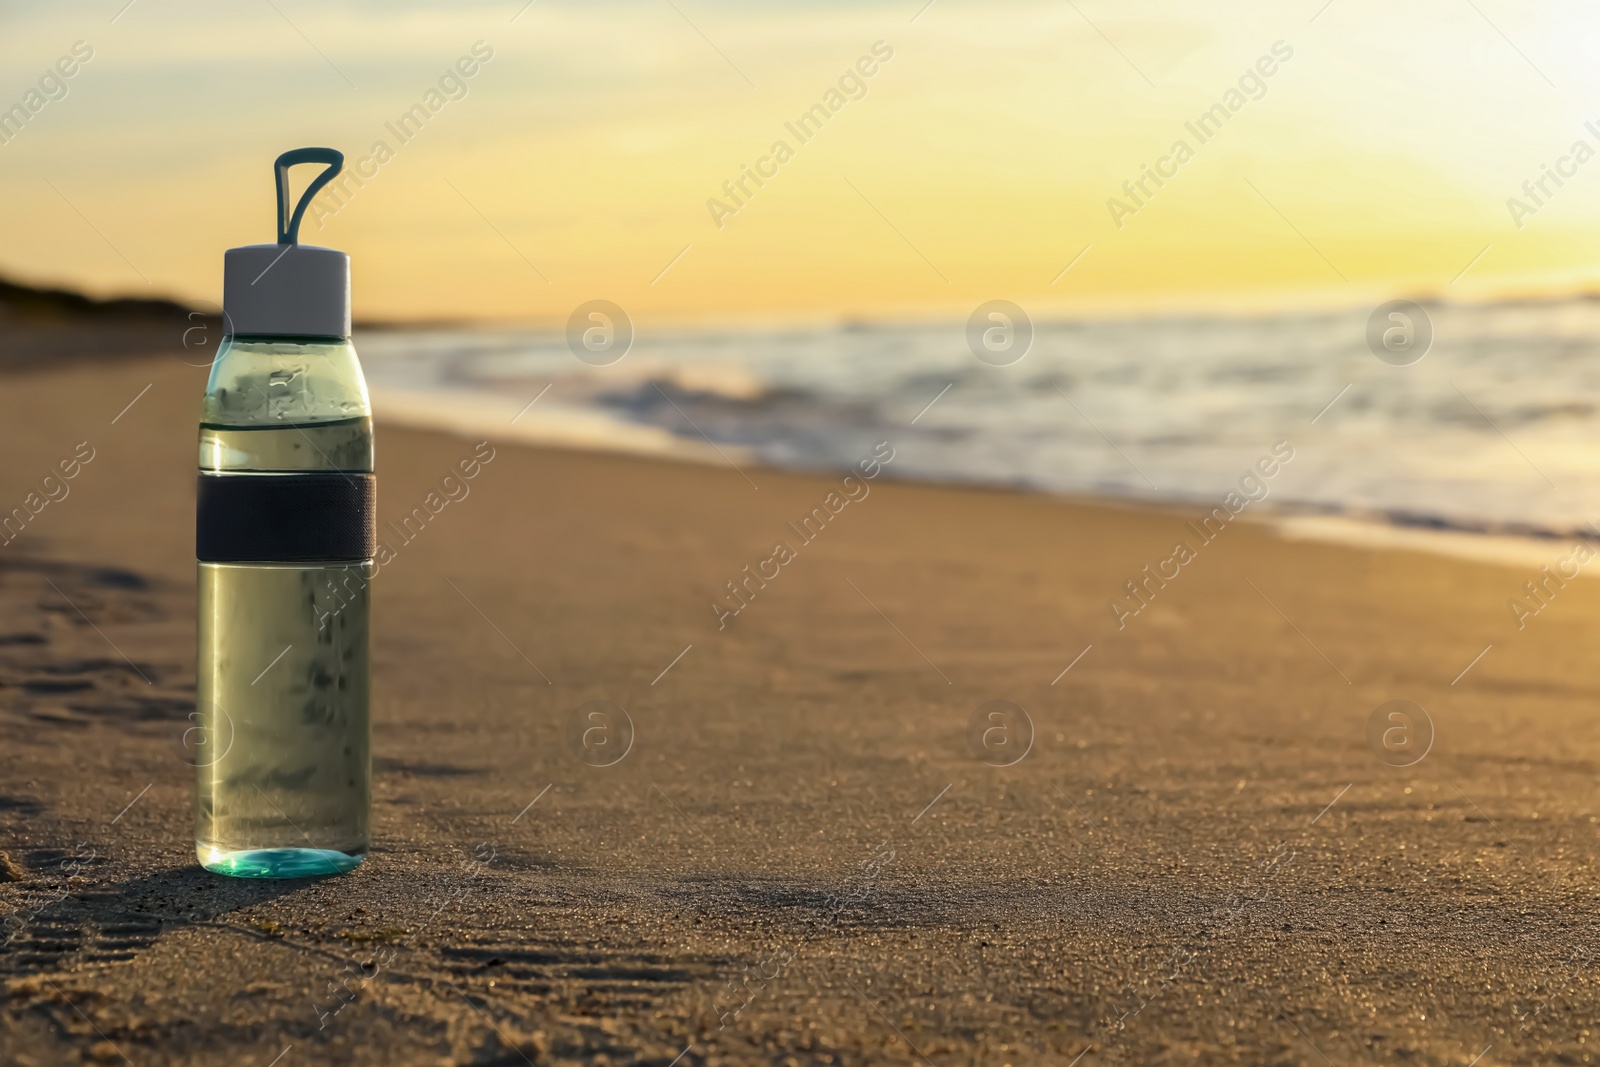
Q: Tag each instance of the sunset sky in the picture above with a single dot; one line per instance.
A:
(976, 163)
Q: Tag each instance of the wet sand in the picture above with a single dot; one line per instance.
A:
(799, 858)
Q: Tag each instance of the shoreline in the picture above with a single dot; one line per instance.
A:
(581, 431)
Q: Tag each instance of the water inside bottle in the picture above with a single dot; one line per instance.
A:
(344, 445)
(281, 740)
(282, 753)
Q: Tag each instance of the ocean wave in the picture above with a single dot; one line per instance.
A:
(1495, 434)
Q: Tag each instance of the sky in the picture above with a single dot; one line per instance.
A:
(984, 157)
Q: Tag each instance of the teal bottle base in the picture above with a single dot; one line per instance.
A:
(276, 862)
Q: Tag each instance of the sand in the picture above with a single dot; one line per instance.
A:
(799, 859)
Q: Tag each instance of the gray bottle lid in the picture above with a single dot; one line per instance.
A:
(289, 289)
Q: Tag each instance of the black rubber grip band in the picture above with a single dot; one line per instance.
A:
(285, 518)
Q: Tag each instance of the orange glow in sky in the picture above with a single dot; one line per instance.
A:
(708, 160)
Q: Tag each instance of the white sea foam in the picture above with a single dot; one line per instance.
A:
(1523, 552)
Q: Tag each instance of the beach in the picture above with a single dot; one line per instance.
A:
(809, 849)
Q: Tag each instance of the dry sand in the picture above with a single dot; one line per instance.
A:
(799, 831)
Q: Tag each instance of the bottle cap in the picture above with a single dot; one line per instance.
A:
(289, 289)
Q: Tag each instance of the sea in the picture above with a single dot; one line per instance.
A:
(1482, 442)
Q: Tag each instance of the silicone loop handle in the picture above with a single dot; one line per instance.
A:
(289, 225)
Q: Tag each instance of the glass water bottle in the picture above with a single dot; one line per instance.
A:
(284, 539)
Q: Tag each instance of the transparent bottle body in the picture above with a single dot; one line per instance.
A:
(282, 756)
